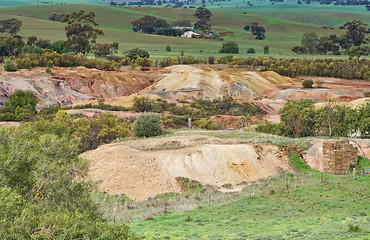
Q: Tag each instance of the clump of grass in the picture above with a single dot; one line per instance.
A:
(353, 228)
(187, 184)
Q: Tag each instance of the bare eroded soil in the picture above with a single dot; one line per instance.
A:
(145, 168)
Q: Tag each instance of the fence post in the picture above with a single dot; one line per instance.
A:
(354, 173)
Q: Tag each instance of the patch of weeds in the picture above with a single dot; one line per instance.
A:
(187, 184)
(353, 228)
(227, 186)
(188, 219)
(171, 145)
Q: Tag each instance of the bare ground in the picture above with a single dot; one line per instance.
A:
(146, 168)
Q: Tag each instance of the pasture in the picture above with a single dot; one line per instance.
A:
(303, 208)
(281, 35)
(313, 13)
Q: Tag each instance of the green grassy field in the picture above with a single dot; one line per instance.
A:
(314, 13)
(281, 35)
(307, 209)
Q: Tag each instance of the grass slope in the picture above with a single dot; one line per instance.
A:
(314, 13)
(309, 209)
(281, 35)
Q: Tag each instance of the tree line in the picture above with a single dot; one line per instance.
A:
(352, 42)
(301, 119)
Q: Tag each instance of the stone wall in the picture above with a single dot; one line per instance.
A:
(338, 156)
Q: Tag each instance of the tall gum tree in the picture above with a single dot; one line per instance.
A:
(80, 31)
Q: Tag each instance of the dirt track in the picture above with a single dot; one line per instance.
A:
(132, 169)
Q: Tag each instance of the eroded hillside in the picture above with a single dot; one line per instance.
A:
(66, 86)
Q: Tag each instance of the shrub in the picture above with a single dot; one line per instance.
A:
(136, 52)
(142, 104)
(229, 47)
(266, 49)
(307, 83)
(48, 70)
(353, 228)
(319, 83)
(168, 61)
(206, 124)
(269, 128)
(9, 66)
(211, 60)
(148, 125)
(168, 48)
(251, 50)
(367, 94)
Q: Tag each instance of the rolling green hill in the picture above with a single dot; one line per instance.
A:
(281, 35)
(310, 209)
(314, 13)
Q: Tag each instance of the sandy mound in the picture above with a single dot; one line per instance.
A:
(352, 104)
(314, 156)
(185, 81)
(131, 168)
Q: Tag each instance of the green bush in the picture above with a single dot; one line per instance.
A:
(251, 50)
(307, 83)
(269, 128)
(206, 124)
(148, 125)
(367, 94)
(20, 106)
(229, 47)
(9, 66)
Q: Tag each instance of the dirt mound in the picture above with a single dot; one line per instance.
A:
(352, 104)
(332, 88)
(187, 81)
(184, 82)
(145, 168)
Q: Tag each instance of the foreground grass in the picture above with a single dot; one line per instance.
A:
(309, 209)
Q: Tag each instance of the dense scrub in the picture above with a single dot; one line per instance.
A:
(301, 119)
(198, 108)
(42, 195)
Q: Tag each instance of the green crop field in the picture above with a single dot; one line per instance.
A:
(314, 13)
(281, 34)
(305, 208)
